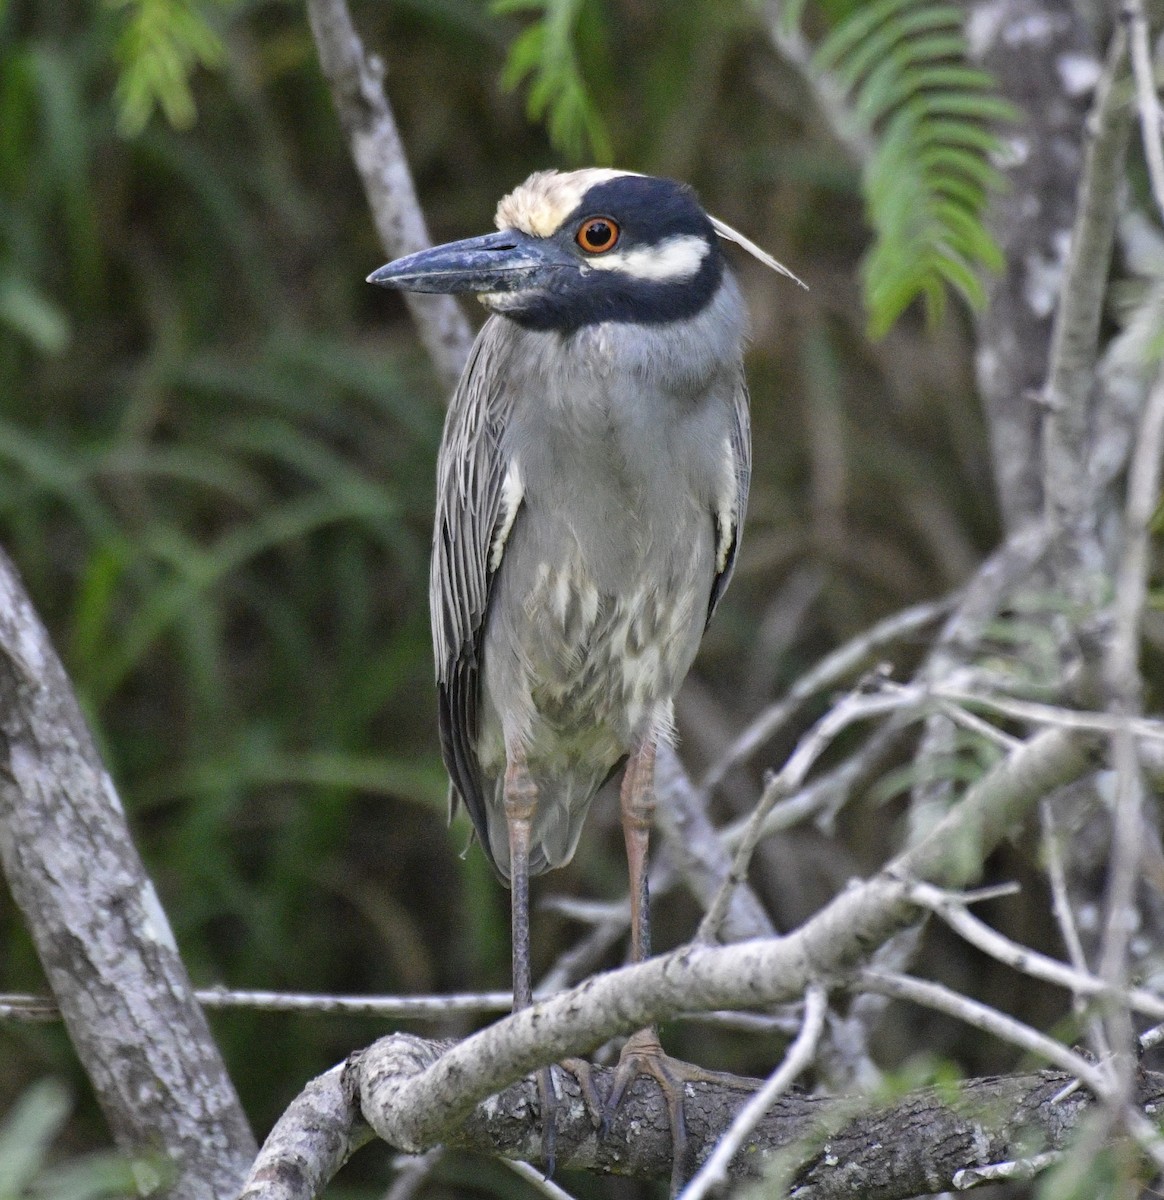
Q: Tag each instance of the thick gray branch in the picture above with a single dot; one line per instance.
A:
(1042, 54)
(837, 1149)
(99, 929)
(698, 852)
(415, 1114)
(357, 88)
(1068, 491)
(316, 1135)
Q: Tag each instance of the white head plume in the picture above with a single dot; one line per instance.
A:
(729, 234)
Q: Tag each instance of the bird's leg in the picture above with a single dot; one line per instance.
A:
(637, 802)
(643, 1053)
(521, 800)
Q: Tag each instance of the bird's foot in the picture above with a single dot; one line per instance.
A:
(643, 1055)
(548, 1100)
(583, 1074)
(548, 1105)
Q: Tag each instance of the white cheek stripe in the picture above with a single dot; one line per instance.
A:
(512, 491)
(673, 259)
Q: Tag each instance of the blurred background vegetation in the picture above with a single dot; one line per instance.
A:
(217, 452)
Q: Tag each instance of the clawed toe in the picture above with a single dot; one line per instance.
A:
(548, 1104)
(643, 1055)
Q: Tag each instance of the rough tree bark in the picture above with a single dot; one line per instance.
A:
(415, 1093)
(1042, 54)
(100, 932)
(827, 1148)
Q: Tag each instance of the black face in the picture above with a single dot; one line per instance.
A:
(641, 218)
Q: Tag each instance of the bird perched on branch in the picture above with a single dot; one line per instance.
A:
(591, 488)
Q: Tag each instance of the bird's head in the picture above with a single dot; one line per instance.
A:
(580, 247)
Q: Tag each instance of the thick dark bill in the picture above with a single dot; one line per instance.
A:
(496, 262)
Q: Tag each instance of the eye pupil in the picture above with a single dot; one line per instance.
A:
(597, 235)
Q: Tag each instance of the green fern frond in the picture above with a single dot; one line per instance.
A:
(160, 46)
(546, 54)
(929, 115)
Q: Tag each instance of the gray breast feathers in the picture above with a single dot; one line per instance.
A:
(482, 501)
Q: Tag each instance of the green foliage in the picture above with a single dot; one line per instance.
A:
(161, 43)
(28, 312)
(545, 52)
(971, 757)
(217, 459)
(27, 1135)
(1092, 1170)
(927, 116)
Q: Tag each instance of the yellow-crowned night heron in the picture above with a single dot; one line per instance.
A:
(591, 488)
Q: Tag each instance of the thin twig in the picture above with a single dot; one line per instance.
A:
(1065, 919)
(826, 795)
(393, 1007)
(856, 706)
(798, 1058)
(29, 1008)
(1147, 99)
(1151, 1038)
(953, 912)
(411, 1172)
(1060, 897)
(537, 1180)
(840, 664)
(989, 1020)
(1052, 714)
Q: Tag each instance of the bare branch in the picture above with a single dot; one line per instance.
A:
(99, 929)
(1075, 339)
(411, 1172)
(1147, 99)
(314, 1137)
(413, 1108)
(892, 1151)
(537, 1180)
(989, 1020)
(697, 852)
(856, 706)
(856, 654)
(797, 1060)
(1030, 962)
(826, 795)
(1055, 715)
(357, 88)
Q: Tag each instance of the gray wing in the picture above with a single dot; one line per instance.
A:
(732, 504)
(470, 485)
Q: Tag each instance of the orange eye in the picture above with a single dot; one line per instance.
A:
(596, 235)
